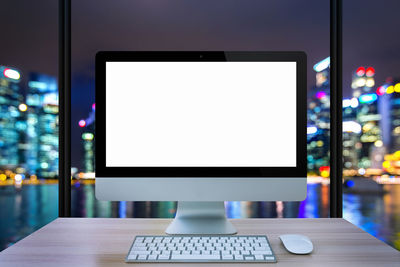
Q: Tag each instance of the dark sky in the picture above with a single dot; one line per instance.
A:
(29, 35)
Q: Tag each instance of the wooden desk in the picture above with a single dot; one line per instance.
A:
(104, 242)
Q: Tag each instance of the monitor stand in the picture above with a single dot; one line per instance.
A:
(200, 218)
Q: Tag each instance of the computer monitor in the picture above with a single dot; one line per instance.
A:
(201, 128)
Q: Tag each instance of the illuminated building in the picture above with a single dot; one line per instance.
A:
(363, 81)
(42, 125)
(12, 124)
(392, 90)
(318, 119)
(351, 134)
(88, 141)
(368, 117)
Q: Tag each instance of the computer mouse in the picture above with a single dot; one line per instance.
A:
(297, 244)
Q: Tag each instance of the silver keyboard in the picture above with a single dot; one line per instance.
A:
(251, 248)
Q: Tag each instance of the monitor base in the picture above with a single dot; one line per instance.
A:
(202, 218)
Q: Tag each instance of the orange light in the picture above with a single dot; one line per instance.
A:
(370, 72)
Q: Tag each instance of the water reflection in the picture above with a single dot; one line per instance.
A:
(84, 204)
(26, 209)
(376, 214)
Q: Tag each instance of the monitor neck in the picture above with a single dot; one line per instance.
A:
(200, 218)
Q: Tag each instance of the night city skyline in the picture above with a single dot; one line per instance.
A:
(369, 36)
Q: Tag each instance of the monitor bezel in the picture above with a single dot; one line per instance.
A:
(300, 170)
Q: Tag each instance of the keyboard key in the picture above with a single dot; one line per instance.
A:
(142, 252)
(139, 248)
(163, 257)
(132, 256)
(227, 257)
(152, 257)
(259, 257)
(142, 257)
(238, 257)
(195, 257)
(137, 244)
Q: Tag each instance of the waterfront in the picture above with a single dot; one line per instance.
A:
(26, 209)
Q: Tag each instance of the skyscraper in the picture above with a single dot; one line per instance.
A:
(351, 136)
(318, 120)
(42, 125)
(389, 108)
(11, 123)
(392, 89)
(368, 116)
(88, 127)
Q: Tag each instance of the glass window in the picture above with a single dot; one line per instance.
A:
(206, 25)
(28, 118)
(371, 86)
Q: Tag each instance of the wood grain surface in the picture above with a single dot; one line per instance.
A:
(105, 242)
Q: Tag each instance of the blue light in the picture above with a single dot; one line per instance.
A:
(368, 98)
(349, 183)
(37, 85)
(322, 65)
(122, 209)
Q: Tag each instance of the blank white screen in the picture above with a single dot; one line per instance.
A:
(215, 114)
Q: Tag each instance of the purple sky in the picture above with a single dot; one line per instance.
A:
(29, 35)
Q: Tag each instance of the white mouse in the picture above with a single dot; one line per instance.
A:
(297, 244)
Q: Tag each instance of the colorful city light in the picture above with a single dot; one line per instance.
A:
(349, 183)
(322, 65)
(312, 130)
(368, 98)
(390, 89)
(397, 87)
(351, 127)
(386, 164)
(350, 103)
(320, 95)
(11, 74)
(324, 171)
(370, 72)
(360, 82)
(82, 123)
(354, 102)
(23, 107)
(37, 85)
(381, 90)
(94, 106)
(346, 103)
(18, 178)
(370, 82)
(87, 136)
(378, 143)
(360, 71)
